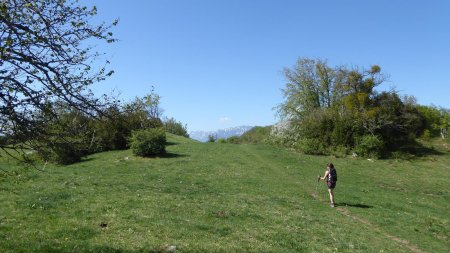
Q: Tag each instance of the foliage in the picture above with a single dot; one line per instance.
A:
(311, 146)
(369, 146)
(212, 138)
(148, 142)
(436, 121)
(285, 134)
(222, 141)
(66, 137)
(339, 107)
(45, 57)
(233, 140)
(175, 127)
(74, 134)
(256, 135)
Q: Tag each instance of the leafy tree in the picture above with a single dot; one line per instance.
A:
(436, 121)
(338, 108)
(310, 84)
(45, 57)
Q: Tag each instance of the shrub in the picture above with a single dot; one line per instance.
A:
(62, 152)
(426, 134)
(221, 141)
(233, 140)
(212, 138)
(369, 146)
(339, 151)
(174, 127)
(312, 147)
(148, 142)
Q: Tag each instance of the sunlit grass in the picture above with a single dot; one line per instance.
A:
(207, 197)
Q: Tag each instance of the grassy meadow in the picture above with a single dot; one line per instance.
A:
(209, 197)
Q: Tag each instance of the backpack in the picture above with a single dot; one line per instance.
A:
(332, 175)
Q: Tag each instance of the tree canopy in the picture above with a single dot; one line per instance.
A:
(333, 108)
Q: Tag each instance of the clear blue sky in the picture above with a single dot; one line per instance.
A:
(218, 64)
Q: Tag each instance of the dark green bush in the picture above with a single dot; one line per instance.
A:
(312, 147)
(369, 146)
(63, 153)
(212, 138)
(233, 140)
(148, 142)
(221, 141)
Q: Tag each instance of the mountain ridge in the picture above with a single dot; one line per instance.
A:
(219, 134)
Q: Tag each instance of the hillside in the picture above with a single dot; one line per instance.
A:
(209, 197)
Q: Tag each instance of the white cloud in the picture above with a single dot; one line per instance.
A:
(224, 119)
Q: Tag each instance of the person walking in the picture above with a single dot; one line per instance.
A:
(331, 177)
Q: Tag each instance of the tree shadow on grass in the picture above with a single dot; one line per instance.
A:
(167, 155)
(419, 150)
(413, 151)
(169, 143)
(171, 155)
(354, 205)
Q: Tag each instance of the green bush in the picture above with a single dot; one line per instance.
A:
(233, 140)
(221, 141)
(369, 146)
(62, 152)
(339, 151)
(148, 142)
(212, 138)
(312, 147)
(174, 127)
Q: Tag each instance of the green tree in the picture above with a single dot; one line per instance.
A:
(310, 84)
(339, 108)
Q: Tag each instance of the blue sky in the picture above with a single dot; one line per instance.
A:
(218, 64)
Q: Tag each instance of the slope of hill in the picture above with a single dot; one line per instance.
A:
(255, 135)
(209, 197)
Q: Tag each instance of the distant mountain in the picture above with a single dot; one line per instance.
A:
(219, 134)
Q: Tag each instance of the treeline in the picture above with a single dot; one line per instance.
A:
(75, 133)
(328, 109)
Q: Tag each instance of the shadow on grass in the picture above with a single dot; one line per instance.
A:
(419, 150)
(412, 151)
(167, 155)
(354, 205)
(169, 143)
(86, 159)
(171, 155)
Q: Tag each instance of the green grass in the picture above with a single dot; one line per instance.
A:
(209, 197)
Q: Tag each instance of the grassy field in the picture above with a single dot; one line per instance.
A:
(207, 197)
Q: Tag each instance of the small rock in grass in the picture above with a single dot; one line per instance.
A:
(171, 248)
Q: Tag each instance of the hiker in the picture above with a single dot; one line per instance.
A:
(331, 177)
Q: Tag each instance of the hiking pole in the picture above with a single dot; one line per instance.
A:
(317, 185)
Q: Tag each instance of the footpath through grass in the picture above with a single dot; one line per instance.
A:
(226, 198)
